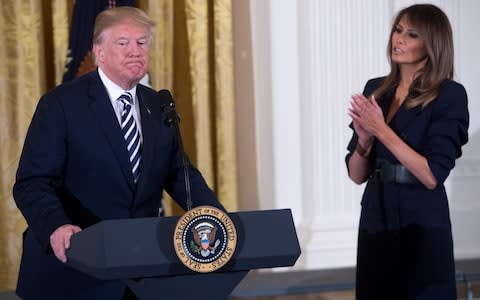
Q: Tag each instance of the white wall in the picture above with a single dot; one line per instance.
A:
(297, 63)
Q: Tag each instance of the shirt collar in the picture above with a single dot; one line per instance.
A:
(113, 89)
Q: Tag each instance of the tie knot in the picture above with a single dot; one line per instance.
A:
(126, 98)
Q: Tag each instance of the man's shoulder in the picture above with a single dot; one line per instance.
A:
(76, 86)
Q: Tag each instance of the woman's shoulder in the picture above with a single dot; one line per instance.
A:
(452, 99)
(376, 80)
(451, 86)
(372, 84)
(451, 92)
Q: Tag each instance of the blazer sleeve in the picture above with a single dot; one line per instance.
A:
(448, 131)
(40, 171)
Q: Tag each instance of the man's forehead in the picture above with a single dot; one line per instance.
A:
(128, 27)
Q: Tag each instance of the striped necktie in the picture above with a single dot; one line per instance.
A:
(131, 134)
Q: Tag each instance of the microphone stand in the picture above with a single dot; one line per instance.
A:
(172, 118)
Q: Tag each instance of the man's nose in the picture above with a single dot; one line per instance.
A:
(134, 49)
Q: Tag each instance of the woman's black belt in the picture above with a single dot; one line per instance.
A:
(397, 173)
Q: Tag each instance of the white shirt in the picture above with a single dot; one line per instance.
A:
(114, 92)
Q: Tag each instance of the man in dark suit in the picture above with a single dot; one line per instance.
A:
(97, 148)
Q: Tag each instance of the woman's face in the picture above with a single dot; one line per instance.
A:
(408, 47)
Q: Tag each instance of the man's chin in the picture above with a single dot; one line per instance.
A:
(137, 76)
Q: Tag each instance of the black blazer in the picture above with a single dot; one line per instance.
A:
(437, 132)
(74, 169)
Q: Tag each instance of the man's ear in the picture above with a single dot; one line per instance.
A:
(98, 51)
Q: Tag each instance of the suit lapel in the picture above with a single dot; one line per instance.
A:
(103, 111)
(148, 144)
(403, 116)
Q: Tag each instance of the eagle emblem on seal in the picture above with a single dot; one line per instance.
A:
(204, 235)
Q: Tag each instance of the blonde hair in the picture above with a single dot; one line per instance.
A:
(434, 29)
(118, 15)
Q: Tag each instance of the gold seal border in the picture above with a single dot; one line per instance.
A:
(231, 238)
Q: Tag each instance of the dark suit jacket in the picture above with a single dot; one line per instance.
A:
(405, 246)
(74, 169)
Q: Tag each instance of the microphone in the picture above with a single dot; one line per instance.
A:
(172, 118)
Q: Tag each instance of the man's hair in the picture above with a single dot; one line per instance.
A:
(117, 15)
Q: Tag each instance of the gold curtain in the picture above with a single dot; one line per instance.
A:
(191, 55)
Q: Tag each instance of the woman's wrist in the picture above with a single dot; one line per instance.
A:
(361, 151)
(363, 148)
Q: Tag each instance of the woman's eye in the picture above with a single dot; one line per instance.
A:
(413, 35)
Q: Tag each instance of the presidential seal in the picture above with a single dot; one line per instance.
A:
(205, 239)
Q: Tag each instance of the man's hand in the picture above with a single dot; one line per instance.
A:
(60, 240)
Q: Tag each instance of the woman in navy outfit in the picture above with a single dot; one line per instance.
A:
(408, 130)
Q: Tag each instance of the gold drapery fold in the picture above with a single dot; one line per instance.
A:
(161, 50)
(209, 33)
(199, 56)
(191, 55)
(226, 167)
(61, 17)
